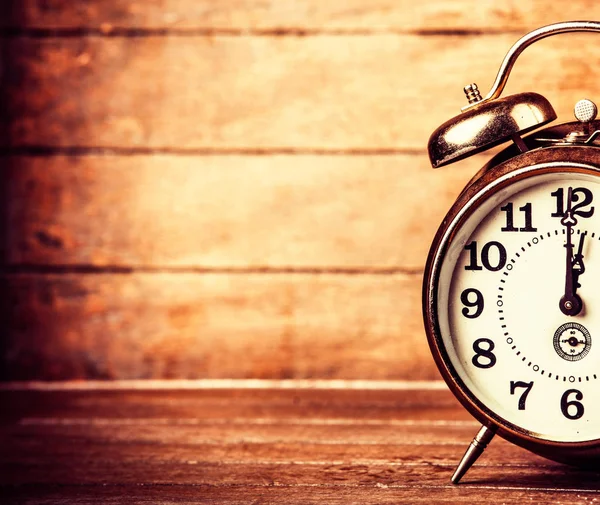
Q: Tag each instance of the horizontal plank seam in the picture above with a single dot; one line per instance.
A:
(233, 442)
(43, 151)
(327, 463)
(108, 30)
(208, 384)
(147, 269)
(244, 421)
(471, 486)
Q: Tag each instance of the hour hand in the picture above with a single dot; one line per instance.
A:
(578, 266)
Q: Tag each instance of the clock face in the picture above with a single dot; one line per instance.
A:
(518, 304)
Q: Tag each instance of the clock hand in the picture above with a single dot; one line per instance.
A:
(573, 342)
(578, 266)
(570, 304)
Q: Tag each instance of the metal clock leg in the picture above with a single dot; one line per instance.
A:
(475, 449)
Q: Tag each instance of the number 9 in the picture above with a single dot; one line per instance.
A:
(478, 303)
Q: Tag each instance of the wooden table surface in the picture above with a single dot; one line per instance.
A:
(260, 442)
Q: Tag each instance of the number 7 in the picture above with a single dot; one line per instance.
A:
(520, 384)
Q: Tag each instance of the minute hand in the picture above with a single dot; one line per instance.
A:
(570, 304)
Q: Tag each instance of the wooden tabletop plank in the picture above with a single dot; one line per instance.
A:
(86, 471)
(56, 454)
(334, 494)
(270, 432)
(409, 451)
(249, 94)
(294, 15)
(24, 447)
(203, 401)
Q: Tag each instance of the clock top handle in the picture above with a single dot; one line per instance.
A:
(491, 120)
(516, 50)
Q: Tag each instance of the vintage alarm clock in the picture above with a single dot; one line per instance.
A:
(511, 294)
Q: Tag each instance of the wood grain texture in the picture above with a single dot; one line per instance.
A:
(305, 446)
(324, 92)
(88, 471)
(257, 166)
(295, 14)
(237, 402)
(332, 212)
(154, 325)
(334, 494)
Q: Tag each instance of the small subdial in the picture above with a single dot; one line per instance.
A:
(572, 341)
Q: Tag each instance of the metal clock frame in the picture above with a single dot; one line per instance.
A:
(493, 178)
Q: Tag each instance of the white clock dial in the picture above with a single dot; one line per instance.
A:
(519, 306)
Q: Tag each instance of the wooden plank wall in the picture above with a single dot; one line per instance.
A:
(228, 188)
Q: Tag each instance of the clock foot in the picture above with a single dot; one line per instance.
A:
(478, 445)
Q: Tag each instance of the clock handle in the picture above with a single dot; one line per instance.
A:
(475, 449)
(514, 52)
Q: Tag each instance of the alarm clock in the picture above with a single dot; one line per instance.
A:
(511, 297)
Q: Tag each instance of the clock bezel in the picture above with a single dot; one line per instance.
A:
(562, 159)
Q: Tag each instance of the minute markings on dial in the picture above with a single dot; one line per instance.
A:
(500, 303)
